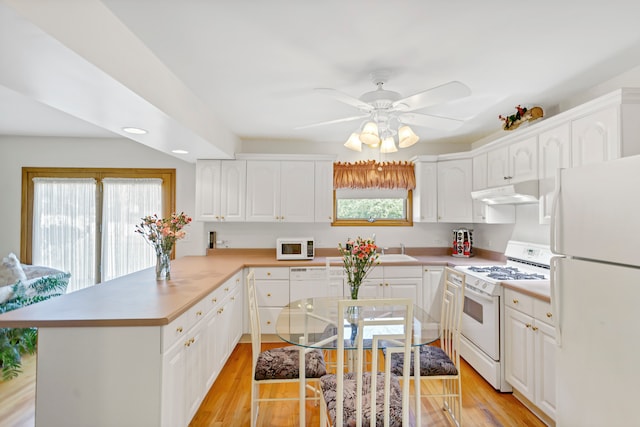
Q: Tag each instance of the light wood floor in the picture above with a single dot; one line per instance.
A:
(228, 402)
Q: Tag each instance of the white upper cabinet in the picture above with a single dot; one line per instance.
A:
(454, 191)
(280, 191)
(220, 190)
(595, 137)
(553, 153)
(479, 171)
(513, 163)
(425, 196)
(324, 191)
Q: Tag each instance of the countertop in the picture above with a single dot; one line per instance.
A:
(138, 299)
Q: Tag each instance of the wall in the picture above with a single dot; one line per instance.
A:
(16, 152)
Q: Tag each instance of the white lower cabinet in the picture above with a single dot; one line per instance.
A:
(530, 350)
(392, 282)
(272, 292)
(432, 286)
(199, 343)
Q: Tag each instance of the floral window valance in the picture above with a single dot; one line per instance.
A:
(372, 174)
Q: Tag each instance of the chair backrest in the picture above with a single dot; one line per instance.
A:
(254, 317)
(451, 314)
(378, 323)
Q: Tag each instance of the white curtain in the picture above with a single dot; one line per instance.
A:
(64, 227)
(124, 202)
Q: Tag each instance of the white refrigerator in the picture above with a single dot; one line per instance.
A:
(596, 294)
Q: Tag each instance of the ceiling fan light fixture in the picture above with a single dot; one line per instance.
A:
(388, 145)
(406, 137)
(354, 143)
(369, 134)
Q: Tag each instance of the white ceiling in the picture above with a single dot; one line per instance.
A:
(203, 75)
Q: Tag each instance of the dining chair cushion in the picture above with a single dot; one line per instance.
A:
(328, 385)
(433, 361)
(283, 363)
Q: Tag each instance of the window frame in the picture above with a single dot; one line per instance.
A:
(407, 222)
(168, 177)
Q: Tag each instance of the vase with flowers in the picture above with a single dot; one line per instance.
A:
(162, 234)
(358, 256)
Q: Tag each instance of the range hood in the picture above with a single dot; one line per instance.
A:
(512, 194)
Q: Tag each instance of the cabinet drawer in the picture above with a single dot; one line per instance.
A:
(268, 317)
(402, 272)
(521, 302)
(272, 293)
(542, 311)
(269, 273)
(175, 330)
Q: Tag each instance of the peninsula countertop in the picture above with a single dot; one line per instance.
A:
(137, 299)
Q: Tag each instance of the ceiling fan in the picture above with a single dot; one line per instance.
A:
(388, 111)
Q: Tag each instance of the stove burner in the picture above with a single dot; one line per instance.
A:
(500, 272)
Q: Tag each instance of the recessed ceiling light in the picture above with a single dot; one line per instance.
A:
(135, 131)
(180, 151)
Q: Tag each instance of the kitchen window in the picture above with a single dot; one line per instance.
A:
(370, 193)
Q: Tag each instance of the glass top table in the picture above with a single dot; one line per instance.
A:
(312, 322)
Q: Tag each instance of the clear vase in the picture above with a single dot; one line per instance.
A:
(163, 266)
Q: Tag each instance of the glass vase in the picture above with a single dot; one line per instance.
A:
(163, 266)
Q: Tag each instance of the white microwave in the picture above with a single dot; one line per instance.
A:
(295, 248)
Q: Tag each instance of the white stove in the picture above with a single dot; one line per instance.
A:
(482, 343)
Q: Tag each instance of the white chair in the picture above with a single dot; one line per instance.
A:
(279, 365)
(370, 397)
(441, 363)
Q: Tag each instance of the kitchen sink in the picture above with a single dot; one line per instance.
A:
(396, 258)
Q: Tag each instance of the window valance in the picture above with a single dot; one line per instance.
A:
(373, 174)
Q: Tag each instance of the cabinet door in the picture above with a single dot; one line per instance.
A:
(425, 196)
(194, 370)
(233, 182)
(454, 191)
(480, 171)
(403, 288)
(323, 193)
(519, 353)
(212, 364)
(595, 138)
(545, 367)
(498, 167)
(523, 160)
(208, 190)
(173, 385)
(553, 153)
(432, 286)
(263, 191)
(297, 191)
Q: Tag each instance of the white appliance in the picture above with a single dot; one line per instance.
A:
(295, 248)
(595, 293)
(482, 340)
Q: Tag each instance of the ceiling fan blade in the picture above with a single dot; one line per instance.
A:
(347, 99)
(436, 95)
(331, 122)
(429, 121)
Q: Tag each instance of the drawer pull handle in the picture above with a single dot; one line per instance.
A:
(528, 325)
(268, 295)
(199, 313)
(535, 328)
(221, 310)
(549, 315)
(214, 299)
(268, 273)
(515, 301)
(233, 298)
(179, 329)
(268, 322)
(226, 289)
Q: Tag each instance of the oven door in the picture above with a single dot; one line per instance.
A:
(480, 321)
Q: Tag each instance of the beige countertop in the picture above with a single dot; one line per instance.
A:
(138, 299)
(540, 289)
